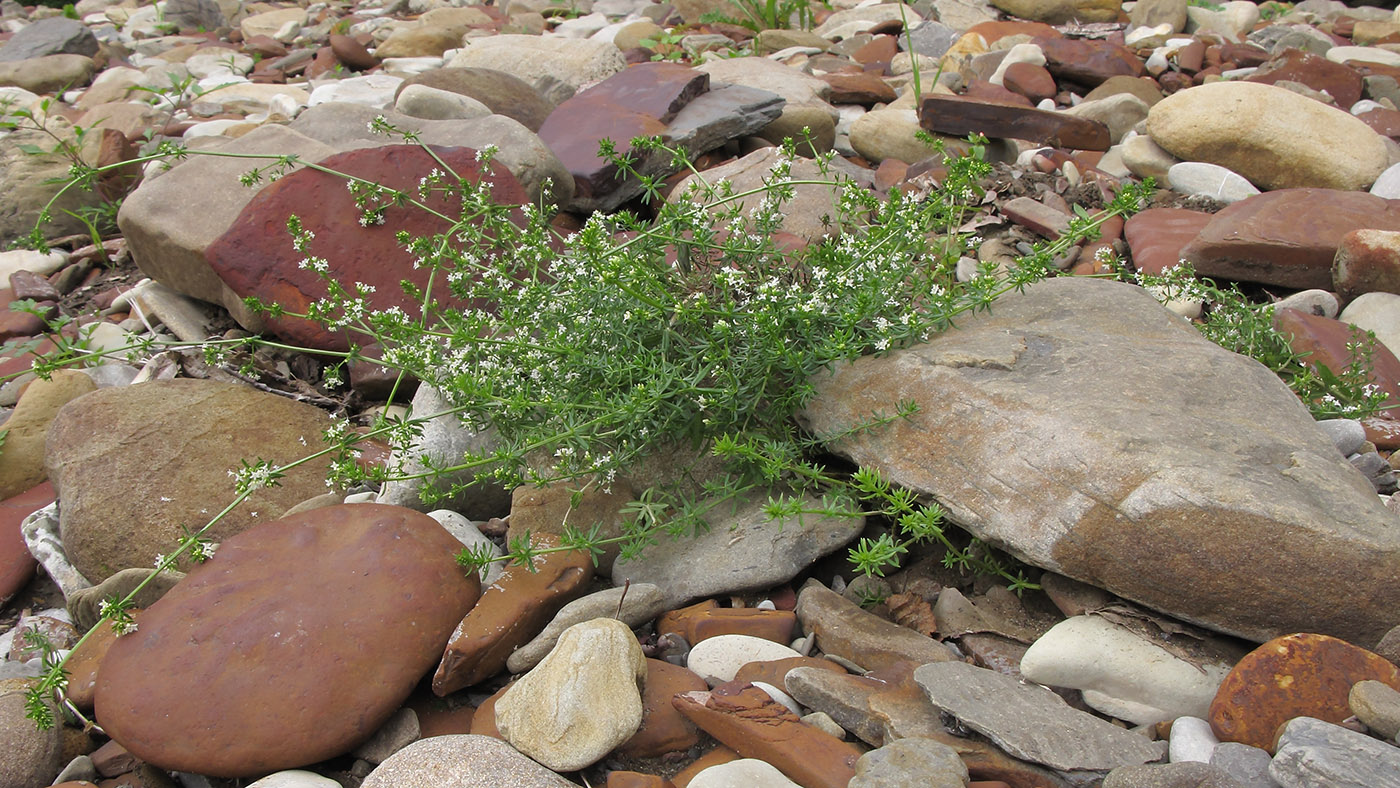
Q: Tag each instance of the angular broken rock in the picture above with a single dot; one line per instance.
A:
(1032, 723)
(886, 705)
(743, 550)
(1087, 430)
(961, 116)
(510, 613)
(842, 628)
(747, 719)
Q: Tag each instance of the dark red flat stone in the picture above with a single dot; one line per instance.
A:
(16, 564)
(1286, 237)
(638, 101)
(255, 257)
(1341, 82)
(1088, 62)
(959, 116)
(1322, 340)
(1156, 236)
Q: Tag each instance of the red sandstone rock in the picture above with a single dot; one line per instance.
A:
(1156, 236)
(774, 672)
(744, 718)
(1367, 261)
(16, 564)
(663, 728)
(1088, 62)
(511, 611)
(1301, 675)
(707, 619)
(1339, 81)
(1287, 237)
(255, 256)
(864, 89)
(292, 645)
(960, 116)
(1032, 81)
(1322, 340)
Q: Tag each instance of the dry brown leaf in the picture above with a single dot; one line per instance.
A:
(912, 612)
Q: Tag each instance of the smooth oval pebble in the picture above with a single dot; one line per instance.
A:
(462, 761)
(1191, 740)
(743, 773)
(292, 645)
(721, 657)
(295, 778)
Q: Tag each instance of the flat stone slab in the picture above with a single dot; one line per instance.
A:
(961, 116)
(1030, 722)
(1091, 432)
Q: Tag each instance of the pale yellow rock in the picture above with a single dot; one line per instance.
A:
(269, 23)
(22, 454)
(1272, 136)
(581, 701)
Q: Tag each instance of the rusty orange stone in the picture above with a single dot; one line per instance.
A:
(663, 728)
(510, 613)
(707, 619)
(1300, 675)
(745, 718)
(775, 672)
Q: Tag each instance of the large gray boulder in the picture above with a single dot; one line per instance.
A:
(1087, 430)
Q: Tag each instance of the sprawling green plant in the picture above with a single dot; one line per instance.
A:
(759, 15)
(1232, 321)
(691, 334)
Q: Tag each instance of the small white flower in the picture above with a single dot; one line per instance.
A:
(160, 559)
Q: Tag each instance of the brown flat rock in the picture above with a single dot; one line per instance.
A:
(960, 116)
(511, 612)
(272, 655)
(707, 619)
(255, 256)
(1287, 237)
(744, 718)
(1088, 62)
(843, 629)
(1156, 236)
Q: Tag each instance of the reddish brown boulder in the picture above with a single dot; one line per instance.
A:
(1339, 81)
(1088, 62)
(982, 90)
(1287, 237)
(744, 718)
(1322, 340)
(1156, 236)
(1301, 675)
(707, 619)
(16, 564)
(255, 257)
(636, 102)
(1032, 81)
(83, 663)
(959, 116)
(511, 612)
(663, 728)
(292, 645)
(1385, 122)
(1367, 261)
(864, 89)
(352, 53)
(995, 31)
